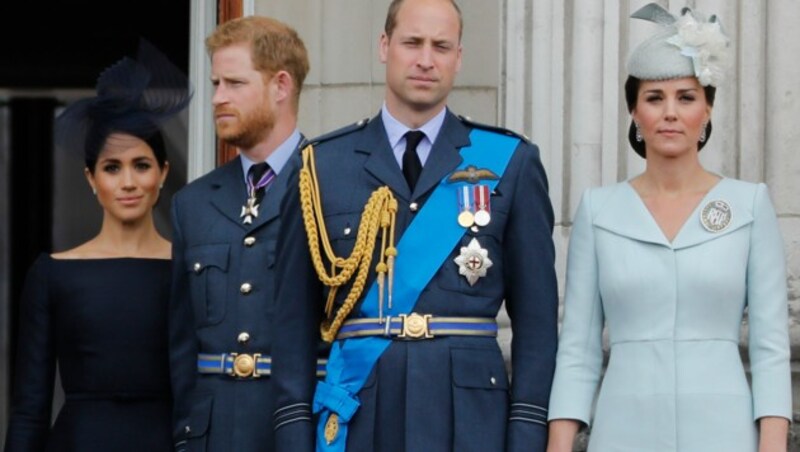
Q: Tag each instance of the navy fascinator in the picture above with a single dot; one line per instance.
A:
(133, 97)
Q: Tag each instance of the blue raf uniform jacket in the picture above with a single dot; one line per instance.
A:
(222, 302)
(447, 393)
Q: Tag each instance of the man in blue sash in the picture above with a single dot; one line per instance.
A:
(407, 234)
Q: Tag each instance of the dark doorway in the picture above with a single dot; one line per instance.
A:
(51, 52)
(65, 44)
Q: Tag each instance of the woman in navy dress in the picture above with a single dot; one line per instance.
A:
(98, 311)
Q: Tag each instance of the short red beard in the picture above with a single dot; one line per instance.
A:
(249, 130)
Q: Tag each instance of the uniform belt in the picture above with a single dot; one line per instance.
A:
(418, 326)
(242, 365)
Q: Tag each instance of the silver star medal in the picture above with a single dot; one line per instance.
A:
(249, 210)
(473, 261)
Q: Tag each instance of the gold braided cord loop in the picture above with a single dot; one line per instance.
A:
(379, 214)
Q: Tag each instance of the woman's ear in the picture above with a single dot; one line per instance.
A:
(90, 179)
(164, 172)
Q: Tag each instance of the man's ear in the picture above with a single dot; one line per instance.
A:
(383, 47)
(283, 86)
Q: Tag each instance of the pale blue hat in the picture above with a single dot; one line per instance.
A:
(687, 46)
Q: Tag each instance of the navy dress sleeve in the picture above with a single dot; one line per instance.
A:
(34, 374)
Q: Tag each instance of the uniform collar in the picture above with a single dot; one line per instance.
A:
(395, 130)
(278, 158)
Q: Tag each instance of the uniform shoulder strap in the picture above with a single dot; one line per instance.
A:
(502, 131)
(336, 133)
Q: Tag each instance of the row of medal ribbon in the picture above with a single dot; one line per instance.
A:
(474, 205)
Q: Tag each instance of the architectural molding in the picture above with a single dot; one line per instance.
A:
(201, 157)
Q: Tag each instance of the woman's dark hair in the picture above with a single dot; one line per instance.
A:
(154, 139)
(632, 94)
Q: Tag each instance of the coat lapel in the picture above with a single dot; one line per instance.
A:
(230, 192)
(444, 156)
(693, 233)
(271, 204)
(443, 159)
(624, 213)
(381, 162)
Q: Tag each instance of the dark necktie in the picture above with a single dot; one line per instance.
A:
(259, 176)
(412, 166)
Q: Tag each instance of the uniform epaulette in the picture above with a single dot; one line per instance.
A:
(501, 130)
(339, 132)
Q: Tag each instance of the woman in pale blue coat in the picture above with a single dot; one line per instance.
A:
(670, 261)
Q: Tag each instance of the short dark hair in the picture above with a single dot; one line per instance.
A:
(632, 95)
(394, 7)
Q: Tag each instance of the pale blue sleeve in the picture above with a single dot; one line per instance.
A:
(768, 313)
(580, 348)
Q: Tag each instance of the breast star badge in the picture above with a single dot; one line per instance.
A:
(473, 261)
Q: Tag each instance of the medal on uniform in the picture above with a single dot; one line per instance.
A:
(250, 208)
(482, 215)
(473, 261)
(716, 216)
(465, 217)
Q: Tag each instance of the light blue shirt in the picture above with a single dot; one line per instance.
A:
(396, 131)
(277, 160)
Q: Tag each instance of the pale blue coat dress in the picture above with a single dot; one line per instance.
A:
(675, 380)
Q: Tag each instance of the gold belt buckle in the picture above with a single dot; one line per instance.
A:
(415, 326)
(244, 365)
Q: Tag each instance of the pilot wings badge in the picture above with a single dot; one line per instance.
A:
(472, 174)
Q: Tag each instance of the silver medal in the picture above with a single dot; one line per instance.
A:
(473, 261)
(249, 211)
(716, 216)
(482, 218)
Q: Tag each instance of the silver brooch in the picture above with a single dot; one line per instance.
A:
(473, 261)
(716, 216)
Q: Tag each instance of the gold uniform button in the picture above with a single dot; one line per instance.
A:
(243, 337)
(197, 267)
(249, 241)
(414, 207)
(246, 288)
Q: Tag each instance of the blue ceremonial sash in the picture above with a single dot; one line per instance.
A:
(418, 259)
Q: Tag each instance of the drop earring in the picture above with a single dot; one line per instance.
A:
(94, 191)
(703, 133)
(638, 133)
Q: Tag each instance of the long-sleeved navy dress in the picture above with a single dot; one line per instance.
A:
(103, 322)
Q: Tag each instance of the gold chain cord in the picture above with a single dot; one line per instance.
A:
(379, 214)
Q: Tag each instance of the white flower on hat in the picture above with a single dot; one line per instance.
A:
(706, 44)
